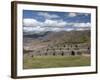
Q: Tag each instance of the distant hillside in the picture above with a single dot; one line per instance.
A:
(61, 37)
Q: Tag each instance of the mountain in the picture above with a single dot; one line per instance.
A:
(61, 37)
(36, 35)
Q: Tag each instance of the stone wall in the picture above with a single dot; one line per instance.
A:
(74, 49)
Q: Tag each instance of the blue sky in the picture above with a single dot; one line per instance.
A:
(37, 21)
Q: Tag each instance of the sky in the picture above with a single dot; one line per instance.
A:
(41, 21)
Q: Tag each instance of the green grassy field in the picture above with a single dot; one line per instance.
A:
(55, 61)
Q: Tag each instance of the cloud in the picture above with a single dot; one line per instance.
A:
(33, 30)
(47, 15)
(46, 23)
(30, 22)
(86, 14)
(54, 23)
(37, 28)
(32, 26)
(82, 24)
(72, 14)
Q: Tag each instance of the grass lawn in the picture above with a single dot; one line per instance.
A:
(55, 61)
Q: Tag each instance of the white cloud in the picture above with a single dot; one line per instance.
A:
(69, 29)
(30, 22)
(47, 15)
(29, 29)
(34, 26)
(54, 23)
(46, 23)
(50, 23)
(86, 14)
(82, 24)
(33, 30)
(82, 28)
(72, 14)
(62, 24)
